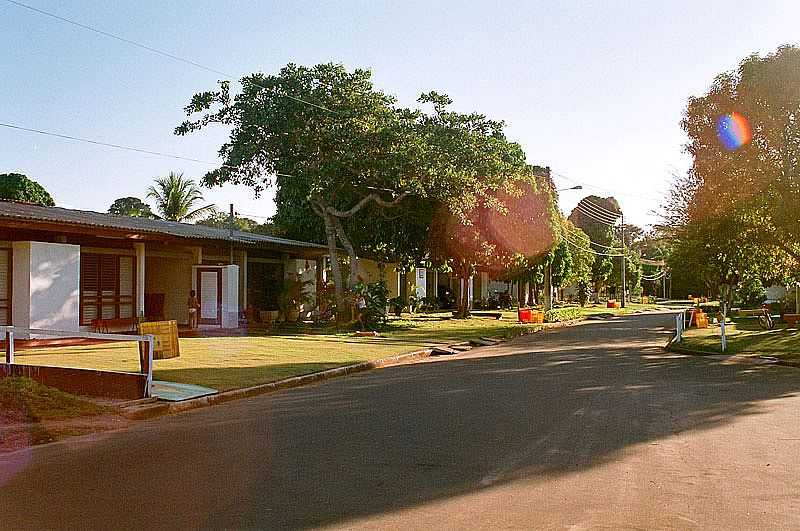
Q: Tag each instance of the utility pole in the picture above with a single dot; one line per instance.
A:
(230, 230)
(624, 263)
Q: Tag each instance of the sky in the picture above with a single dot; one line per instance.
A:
(595, 90)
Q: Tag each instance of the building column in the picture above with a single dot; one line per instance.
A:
(197, 255)
(243, 281)
(140, 277)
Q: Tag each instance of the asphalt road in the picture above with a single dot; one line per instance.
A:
(583, 427)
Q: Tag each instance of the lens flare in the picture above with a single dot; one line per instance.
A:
(733, 131)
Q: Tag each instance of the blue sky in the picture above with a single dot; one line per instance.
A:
(593, 89)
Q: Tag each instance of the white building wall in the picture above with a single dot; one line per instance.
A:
(46, 291)
(230, 296)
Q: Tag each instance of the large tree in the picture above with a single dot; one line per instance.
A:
(344, 151)
(512, 240)
(596, 217)
(18, 187)
(759, 171)
(131, 207)
(176, 198)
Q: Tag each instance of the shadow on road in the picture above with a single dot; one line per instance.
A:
(555, 403)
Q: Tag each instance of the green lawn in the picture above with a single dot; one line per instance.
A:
(233, 362)
(28, 401)
(746, 338)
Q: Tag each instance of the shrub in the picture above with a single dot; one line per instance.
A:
(558, 315)
(376, 295)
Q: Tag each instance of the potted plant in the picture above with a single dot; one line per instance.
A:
(396, 304)
(292, 298)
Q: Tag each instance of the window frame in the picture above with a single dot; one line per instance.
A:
(100, 301)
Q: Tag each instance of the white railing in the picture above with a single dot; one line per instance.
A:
(10, 332)
(679, 327)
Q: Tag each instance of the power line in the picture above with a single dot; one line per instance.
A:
(575, 233)
(123, 147)
(594, 217)
(600, 216)
(157, 51)
(580, 248)
(107, 144)
(607, 211)
(604, 189)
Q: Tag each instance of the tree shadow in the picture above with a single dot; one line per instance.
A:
(405, 436)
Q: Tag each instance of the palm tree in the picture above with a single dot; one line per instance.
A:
(175, 198)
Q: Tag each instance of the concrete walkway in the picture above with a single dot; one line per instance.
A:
(582, 427)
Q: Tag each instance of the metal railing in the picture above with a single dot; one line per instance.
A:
(146, 362)
(679, 327)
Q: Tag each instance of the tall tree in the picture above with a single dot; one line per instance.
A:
(339, 148)
(176, 198)
(596, 217)
(512, 240)
(18, 187)
(744, 139)
(132, 207)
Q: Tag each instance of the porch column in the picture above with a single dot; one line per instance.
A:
(140, 276)
(484, 285)
(243, 282)
(197, 255)
(471, 291)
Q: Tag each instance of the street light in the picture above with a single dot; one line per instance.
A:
(576, 187)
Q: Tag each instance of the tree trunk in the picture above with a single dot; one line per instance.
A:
(330, 233)
(548, 289)
(353, 277)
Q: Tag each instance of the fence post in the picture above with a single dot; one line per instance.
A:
(9, 346)
(150, 346)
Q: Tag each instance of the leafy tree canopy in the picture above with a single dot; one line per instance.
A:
(131, 207)
(371, 172)
(18, 187)
(762, 175)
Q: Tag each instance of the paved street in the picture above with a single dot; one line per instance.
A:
(582, 427)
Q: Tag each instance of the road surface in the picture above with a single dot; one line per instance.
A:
(582, 427)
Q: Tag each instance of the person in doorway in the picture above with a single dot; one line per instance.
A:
(194, 308)
(361, 310)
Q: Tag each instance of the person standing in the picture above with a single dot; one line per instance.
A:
(194, 309)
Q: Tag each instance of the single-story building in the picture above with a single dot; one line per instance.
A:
(65, 269)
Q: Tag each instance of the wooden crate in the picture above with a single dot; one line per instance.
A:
(166, 338)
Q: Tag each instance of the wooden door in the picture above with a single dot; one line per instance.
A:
(5, 287)
(209, 291)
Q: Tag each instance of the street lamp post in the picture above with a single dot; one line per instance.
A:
(624, 264)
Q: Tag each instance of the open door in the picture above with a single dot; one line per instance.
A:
(209, 291)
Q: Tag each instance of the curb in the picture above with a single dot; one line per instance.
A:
(164, 408)
(672, 347)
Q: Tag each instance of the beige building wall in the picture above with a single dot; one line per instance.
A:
(171, 276)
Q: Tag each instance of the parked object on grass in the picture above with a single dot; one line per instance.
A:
(292, 298)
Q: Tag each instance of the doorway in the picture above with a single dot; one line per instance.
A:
(209, 291)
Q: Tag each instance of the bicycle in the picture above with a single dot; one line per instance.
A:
(765, 319)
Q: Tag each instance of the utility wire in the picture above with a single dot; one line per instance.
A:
(122, 147)
(575, 233)
(593, 216)
(157, 51)
(590, 250)
(611, 215)
(607, 211)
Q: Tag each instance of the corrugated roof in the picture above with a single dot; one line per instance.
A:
(25, 211)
